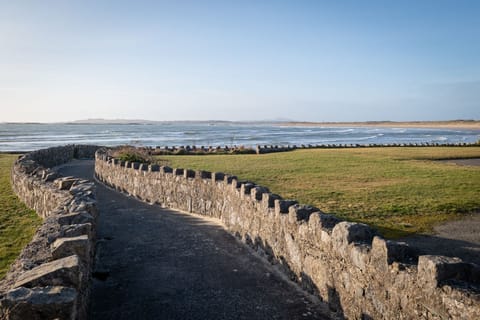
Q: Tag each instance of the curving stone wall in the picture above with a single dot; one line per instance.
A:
(49, 280)
(359, 274)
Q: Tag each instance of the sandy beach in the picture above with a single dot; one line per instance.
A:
(472, 125)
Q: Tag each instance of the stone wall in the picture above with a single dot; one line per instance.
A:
(359, 274)
(50, 278)
(261, 149)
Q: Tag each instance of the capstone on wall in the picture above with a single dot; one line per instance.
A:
(359, 274)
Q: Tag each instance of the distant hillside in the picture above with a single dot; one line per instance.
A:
(143, 121)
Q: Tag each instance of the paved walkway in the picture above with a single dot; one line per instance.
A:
(464, 162)
(154, 263)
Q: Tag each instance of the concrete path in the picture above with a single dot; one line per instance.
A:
(155, 263)
(464, 162)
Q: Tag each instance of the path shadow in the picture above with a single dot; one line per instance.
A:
(437, 245)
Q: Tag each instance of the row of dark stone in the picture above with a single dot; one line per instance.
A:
(260, 149)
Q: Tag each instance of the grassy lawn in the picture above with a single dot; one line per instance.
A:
(399, 191)
(17, 222)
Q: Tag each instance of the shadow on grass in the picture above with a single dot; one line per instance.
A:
(437, 245)
(425, 244)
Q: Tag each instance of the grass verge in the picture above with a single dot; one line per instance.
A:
(17, 222)
(399, 191)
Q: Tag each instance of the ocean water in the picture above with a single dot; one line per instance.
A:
(26, 137)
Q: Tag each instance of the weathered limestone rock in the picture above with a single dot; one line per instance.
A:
(76, 218)
(76, 230)
(62, 272)
(85, 188)
(64, 247)
(65, 183)
(39, 304)
(434, 269)
(347, 232)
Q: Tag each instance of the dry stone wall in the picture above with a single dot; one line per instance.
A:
(359, 274)
(49, 280)
(262, 149)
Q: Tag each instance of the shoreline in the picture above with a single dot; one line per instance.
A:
(470, 125)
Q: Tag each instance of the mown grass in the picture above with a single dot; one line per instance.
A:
(17, 222)
(399, 191)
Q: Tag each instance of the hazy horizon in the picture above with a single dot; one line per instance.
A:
(240, 61)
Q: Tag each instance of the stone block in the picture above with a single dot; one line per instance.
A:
(76, 230)
(187, 173)
(51, 302)
(379, 254)
(328, 221)
(153, 168)
(178, 172)
(218, 176)
(62, 272)
(203, 174)
(347, 232)
(76, 218)
(86, 188)
(432, 270)
(360, 256)
(268, 199)
(293, 252)
(233, 181)
(28, 166)
(166, 169)
(246, 187)
(135, 165)
(64, 247)
(257, 192)
(391, 251)
(229, 179)
(65, 183)
(298, 212)
(282, 206)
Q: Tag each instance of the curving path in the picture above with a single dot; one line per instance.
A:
(155, 263)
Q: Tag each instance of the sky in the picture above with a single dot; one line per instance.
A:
(239, 60)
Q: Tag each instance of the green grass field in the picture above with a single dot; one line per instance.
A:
(399, 191)
(17, 222)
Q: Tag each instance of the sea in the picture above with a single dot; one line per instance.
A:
(17, 137)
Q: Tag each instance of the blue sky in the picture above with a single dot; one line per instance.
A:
(240, 60)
